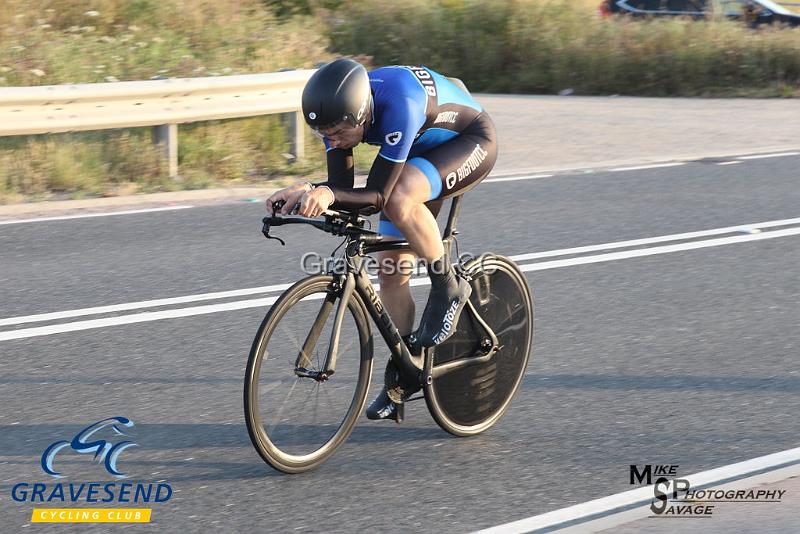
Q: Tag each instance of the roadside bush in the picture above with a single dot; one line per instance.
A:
(501, 46)
(546, 46)
(47, 42)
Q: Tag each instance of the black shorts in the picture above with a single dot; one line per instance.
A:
(455, 166)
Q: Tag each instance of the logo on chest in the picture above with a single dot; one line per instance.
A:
(393, 138)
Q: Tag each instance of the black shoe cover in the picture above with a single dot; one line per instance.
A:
(382, 407)
(441, 314)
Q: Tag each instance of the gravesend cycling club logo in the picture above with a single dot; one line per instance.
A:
(104, 451)
(105, 441)
(674, 497)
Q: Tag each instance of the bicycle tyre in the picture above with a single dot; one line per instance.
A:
(471, 400)
(286, 457)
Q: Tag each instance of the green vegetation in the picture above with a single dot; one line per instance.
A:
(517, 46)
(45, 42)
(546, 46)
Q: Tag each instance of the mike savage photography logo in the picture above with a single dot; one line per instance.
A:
(675, 497)
(104, 441)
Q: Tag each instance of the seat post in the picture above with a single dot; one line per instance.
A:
(450, 230)
(452, 219)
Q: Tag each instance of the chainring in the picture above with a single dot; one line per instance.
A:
(397, 391)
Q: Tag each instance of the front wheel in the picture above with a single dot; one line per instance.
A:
(297, 419)
(471, 399)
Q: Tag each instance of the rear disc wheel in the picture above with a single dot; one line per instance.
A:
(472, 399)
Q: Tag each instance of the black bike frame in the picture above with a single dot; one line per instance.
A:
(357, 279)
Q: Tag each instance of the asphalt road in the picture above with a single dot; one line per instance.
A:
(685, 358)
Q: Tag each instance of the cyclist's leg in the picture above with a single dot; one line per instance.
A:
(453, 168)
(405, 214)
(396, 267)
(395, 271)
(464, 161)
(449, 169)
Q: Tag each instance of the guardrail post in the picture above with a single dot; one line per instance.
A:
(296, 131)
(166, 136)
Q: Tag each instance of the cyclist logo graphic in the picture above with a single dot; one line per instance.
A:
(104, 451)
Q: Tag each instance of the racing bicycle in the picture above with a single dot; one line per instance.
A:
(308, 373)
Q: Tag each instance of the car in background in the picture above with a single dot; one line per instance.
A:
(754, 12)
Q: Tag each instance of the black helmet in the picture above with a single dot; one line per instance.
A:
(336, 92)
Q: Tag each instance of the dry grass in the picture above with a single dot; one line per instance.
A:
(44, 42)
(546, 46)
(526, 46)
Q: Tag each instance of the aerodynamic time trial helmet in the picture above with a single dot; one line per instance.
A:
(338, 91)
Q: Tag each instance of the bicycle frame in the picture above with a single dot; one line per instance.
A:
(418, 368)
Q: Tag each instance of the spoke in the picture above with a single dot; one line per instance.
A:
(289, 335)
(319, 364)
(279, 416)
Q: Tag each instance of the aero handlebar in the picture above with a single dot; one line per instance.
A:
(333, 222)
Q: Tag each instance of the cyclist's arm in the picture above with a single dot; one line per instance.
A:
(405, 118)
(341, 170)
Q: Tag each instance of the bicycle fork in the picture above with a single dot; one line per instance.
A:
(343, 294)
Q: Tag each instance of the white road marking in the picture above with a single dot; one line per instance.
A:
(643, 496)
(612, 256)
(749, 228)
(540, 266)
(763, 156)
(141, 304)
(644, 167)
(729, 163)
(515, 178)
(135, 318)
(87, 215)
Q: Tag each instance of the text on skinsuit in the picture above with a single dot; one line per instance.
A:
(425, 79)
(446, 116)
(470, 164)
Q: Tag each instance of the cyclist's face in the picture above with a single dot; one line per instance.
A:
(343, 135)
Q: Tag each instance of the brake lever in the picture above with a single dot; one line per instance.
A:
(265, 231)
(276, 206)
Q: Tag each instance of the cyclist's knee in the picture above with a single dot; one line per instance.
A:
(398, 207)
(412, 190)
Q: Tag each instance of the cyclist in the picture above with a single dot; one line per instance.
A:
(436, 142)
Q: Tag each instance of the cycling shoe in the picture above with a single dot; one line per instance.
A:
(389, 402)
(445, 303)
(383, 408)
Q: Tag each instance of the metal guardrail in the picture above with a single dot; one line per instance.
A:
(160, 103)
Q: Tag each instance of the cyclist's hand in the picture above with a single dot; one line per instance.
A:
(290, 196)
(315, 202)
